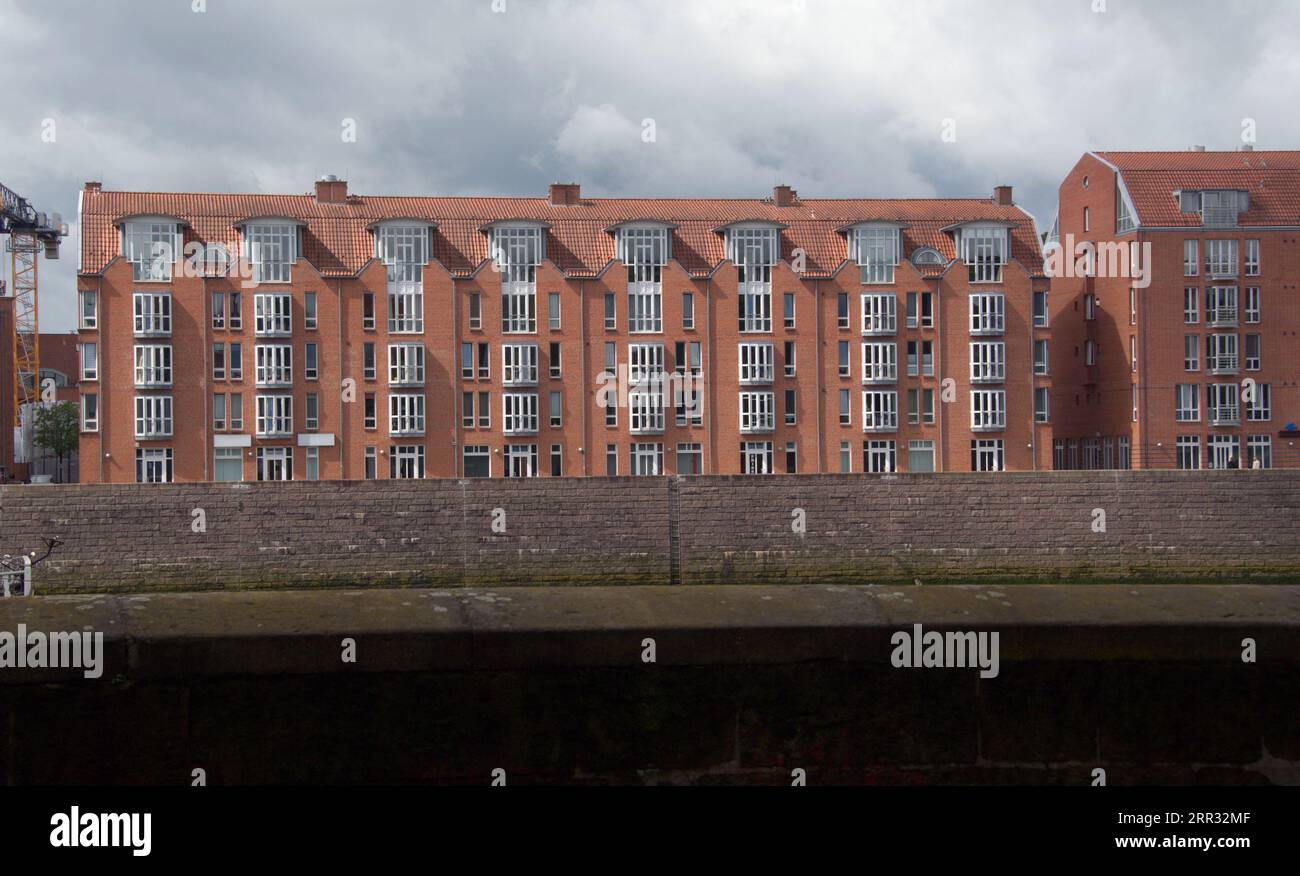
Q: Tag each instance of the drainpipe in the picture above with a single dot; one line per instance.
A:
(817, 397)
(343, 365)
(713, 406)
(938, 367)
(585, 374)
(457, 391)
(1033, 392)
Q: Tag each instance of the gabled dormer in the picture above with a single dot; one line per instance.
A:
(1218, 208)
(876, 247)
(984, 246)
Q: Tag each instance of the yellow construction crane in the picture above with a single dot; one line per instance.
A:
(29, 233)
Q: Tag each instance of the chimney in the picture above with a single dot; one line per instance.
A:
(1247, 147)
(1198, 148)
(784, 196)
(565, 194)
(94, 186)
(1002, 196)
(331, 190)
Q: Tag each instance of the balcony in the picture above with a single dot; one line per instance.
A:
(1221, 317)
(1222, 364)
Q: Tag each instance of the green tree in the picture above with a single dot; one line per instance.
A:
(58, 429)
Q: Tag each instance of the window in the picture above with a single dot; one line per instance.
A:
(153, 365)
(405, 364)
(987, 313)
(218, 310)
(467, 410)
(1221, 354)
(880, 361)
(218, 361)
(557, 409)
(878, 456)
(879, 314)
(313, 412)
(846, 458)
(1252, 304)
(519, 412)
(791, 457)
(89, 361)
(644, 251)
(1219, 209)
(846, 411)
(369, 368)
(405, 414)
(756, 457)
(151, 248)
(404, 250)
(1221, 305)
(1133, 352)
(1188, 452)
(1187, 403)
(1221, 258)
(275, 463)
(988, 361)
(789, 359)
(1042, 405)
(647, 459)
(274, 415)
(1090, 306)
(984, 250)
(236, 361)
(406, 308)
(986, 454)
(153, 416)
(611, 460)
(1191, 305)
(153, 313)
(478, 461)
(788, 310)
(1223, 451)
(1040, 309)
(153, 465)
(273, 364)
(484, 410)
(1123, 216)
(756, 363)
(89, 310)
(557, 461)
(1191, 353)
(988, 409)
(1259, 451)
(236, 311)
(406, 462)
(309, 310)
(371, 468)
(484, 361)
(1090, 353)
(688, 310)
(754, 251)
(553, 311)
(229, 464)
(790, 407)
(369, 411)
(272, 315)
(913, 319)
(368, 311)
(842, 309)
(757, 412)
(313, 463)
(90, 412)
(1132, 306)
(690, 459)
(611, 312)
(645, 309)
(236, 411)
(920, 456)
(311, 367)
(1253, 344)
(1259, 403)
(879, 411)
(1190, 258)
(519, 364)
(1087, 220)
(467, 361)
(875, 248)
(1221, 404)
(1040, 356)
(271, 248)
(844, 358)
(475, 311)
(1252, 258)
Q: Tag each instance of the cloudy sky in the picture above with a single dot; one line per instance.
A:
(838, 99)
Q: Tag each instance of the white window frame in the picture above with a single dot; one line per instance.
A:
(274, 415)
(879, 313)
(879, 410)
(1221, 258)
(876, 249)
(879, 362)
(152, 247)
(271, 248)
(405, 414)
(1252, 258)
(153, 365)
(985, 250)
(151, 314)
(987, 313)
(1253, 303)
(153, 417)
(153, 465)
(645, 412)
(757, 360)
(987, 454)
(988, 410)
(1187, 403)
(757, 412)
(647, 459)
(988, 361)
(1221, 404)
(273, 364)
(519, 413)
(272, 315)
(406, 364)
(519, 364)
(1222, 353)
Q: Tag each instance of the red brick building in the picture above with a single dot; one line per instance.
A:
(360, 336)
(1191, 360)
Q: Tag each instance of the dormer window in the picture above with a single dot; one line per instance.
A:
(517, 250)
(1219, 208)
(644, 250)
(926, 256)
(271, 248)
(984, 250)
(404, 251)
(151, 246)
(754, 252)
(875, 248)
(1123, 215)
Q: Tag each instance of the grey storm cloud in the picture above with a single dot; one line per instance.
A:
(838, 99)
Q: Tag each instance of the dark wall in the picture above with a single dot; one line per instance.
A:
(1186, 525)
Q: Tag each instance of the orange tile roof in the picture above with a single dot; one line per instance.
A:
(1272, 179)
(337, 242)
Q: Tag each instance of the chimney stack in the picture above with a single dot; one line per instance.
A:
(1198, 148)
(331, 190)
(1247, 147)
(784, 196)
(1002, 196)
(565, 194)
(94, 186)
